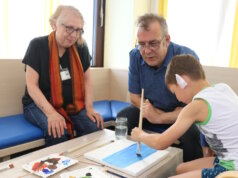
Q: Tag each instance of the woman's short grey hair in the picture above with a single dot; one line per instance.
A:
(145, 20)
(61, 13)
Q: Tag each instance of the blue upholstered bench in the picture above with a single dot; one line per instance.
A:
(16, 133)
(109, 109)
(17, 130)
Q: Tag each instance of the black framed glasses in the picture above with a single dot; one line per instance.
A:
(70, 30)
(152, 45)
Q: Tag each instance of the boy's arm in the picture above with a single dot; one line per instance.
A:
(195, 111)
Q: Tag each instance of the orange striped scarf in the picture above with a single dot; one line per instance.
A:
(77, 77)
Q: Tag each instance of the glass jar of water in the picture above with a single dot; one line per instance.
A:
(121, 128)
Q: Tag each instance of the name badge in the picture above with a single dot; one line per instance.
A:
(65, 75)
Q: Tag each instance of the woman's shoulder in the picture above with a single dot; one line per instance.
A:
(82, 47)
(83, 50)
(39, 41)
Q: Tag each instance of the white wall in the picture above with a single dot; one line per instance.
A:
(120, 30)
(208, 31)
(118, 33)
(210, 38)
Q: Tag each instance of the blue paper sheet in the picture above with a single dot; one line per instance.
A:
(128, 156)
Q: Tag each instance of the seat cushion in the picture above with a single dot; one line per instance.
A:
(16, 130)
(103, 107)
(117, 106)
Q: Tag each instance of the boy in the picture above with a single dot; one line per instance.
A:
(214, 109)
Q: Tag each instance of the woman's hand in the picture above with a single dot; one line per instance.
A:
(56, 125)
(95, 117)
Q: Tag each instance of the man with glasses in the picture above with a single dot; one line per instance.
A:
(148, 64)
(58, 95)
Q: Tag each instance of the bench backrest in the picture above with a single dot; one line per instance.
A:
(107, 83)
(222, 74)
(12, 86)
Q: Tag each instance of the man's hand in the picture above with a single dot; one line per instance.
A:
(56, 124)
(95, 117)
(151, 113)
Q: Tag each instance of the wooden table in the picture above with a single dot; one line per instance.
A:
(162, 170)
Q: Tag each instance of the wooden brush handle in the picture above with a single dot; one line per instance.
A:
(141, 117)
(141, 110)
(79, 147)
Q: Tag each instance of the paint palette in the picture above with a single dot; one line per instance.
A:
(121, 155)
(49, 165)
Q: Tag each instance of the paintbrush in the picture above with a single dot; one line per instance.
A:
(5, 167)
(101, 145)
(138, 152)
(78, 147)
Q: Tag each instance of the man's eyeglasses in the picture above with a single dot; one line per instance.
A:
(70, 30)
(152, 45)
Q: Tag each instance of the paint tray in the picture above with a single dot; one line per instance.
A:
(49, 165)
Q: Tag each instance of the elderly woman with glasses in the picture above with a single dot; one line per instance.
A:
(58, 95)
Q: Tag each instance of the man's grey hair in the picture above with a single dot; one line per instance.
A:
(145, 20)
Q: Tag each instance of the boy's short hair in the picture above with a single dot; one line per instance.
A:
(184, 64)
